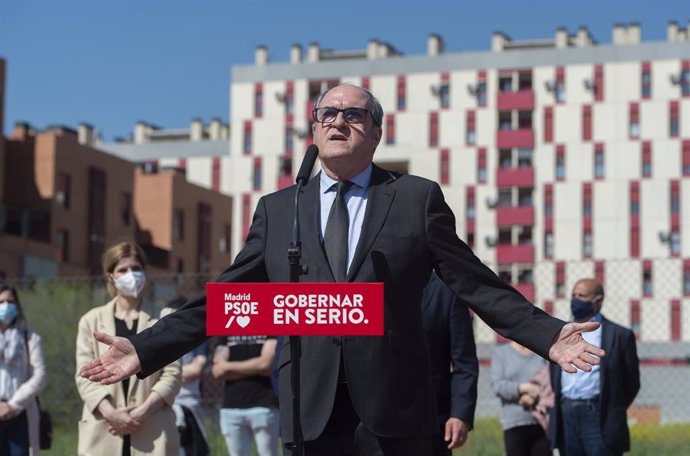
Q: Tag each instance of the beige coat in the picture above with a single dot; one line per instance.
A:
(158, 435)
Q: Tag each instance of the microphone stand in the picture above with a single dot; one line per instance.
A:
(296, 269)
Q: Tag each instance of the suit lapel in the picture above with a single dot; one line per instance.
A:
(379, 200)
(607, 345)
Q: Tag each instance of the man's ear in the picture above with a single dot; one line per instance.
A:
(313, 129)
(378, 132)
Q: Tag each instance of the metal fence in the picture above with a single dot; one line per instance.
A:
(646, 295)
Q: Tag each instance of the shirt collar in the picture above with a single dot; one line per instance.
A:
(362, 180)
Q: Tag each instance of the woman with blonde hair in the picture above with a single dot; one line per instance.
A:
(133, 417)
(22, 377)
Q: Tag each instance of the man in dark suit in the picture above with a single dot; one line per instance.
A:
(454, 364)
(589, 414)
(360, 395)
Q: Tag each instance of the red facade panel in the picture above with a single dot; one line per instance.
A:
(676, 321)
(445, 166)
(635, 318)
(515, 177)
(506, 254)
(599, 82)
(507, 216)
(215, 173)
(522, 100)
(548, 124)
(526, 290)
(523, 138)
(586, 123)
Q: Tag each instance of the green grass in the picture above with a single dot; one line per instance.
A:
(485, 440)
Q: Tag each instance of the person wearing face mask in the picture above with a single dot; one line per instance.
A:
(133, 417)
(589, 413)
(22, 377)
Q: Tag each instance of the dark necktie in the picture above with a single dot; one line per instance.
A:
(336, 236)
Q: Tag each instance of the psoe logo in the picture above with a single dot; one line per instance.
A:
(239, 308)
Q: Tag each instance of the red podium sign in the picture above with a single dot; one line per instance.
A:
(294, 309)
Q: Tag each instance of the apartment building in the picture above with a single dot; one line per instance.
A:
(560, 157)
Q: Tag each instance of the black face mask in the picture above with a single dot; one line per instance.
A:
(581, 309)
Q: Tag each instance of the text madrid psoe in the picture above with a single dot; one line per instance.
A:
(318, 300)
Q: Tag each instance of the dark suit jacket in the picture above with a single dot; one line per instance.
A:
(407, 231)
(454, 365)
(619, 384)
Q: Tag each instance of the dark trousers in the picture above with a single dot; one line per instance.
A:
(14, 436)
(526, 441)
(345, 435)
(582, 429)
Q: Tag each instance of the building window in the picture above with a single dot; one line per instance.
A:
(247, 144)
(647, 159)
(150, 167)
(258, 99)
(62, 246)
(559, 89)
(686, 278)
(548, 245)
(257, 174)
(674, 241)
(179, 266)
(285, 170)
(524, 120)
(505, 158)
(289, 98)
(505, 197)
(525, 197)
(675, 198)
(548, 201)
(586, 123)
(433, 129)
(674, 119)
(676, 320)
(525, 235)
(445, 167)
(634, 121)
(646, 80)
(224, 244)
(215, 173)
(289, 139)
(548, 124)
(560, 162)
(505, 120)
(685, 78)
(587, 200)
(647, 282)
(402, 94)
(178, 225)
(481, 165)
(470, 133)
(599, 169)
(390, 129)
(505, 82)
(126, 208)
(599, 82)
(587, 244)
(63, 193)
(444, 91)
(469, 204)
(686, 158)
(635, 325)
(481, 93)
(560, 279)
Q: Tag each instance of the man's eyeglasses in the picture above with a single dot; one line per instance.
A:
(327, 115)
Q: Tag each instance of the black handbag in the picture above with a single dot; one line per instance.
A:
(45, 422)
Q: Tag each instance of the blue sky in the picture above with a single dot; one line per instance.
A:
(114, 62)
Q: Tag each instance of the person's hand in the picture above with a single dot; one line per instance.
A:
(529, 388)
(6, 411)
(527, 401)
(140, 413)
(120, 421)
(456, 433)
(218, 370)
(570, 350)
(118, 363)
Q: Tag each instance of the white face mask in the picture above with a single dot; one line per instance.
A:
(131, 283)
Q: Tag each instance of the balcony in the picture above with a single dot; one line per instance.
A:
(522, 100)
(509, 253)
(526, 290)
(515, 177)
(524, 137)
(515, 215)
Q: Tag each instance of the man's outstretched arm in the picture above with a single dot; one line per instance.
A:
(118, 363)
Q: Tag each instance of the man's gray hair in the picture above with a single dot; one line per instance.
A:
(376, 108)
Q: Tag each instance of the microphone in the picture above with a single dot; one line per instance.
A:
(307, 164)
